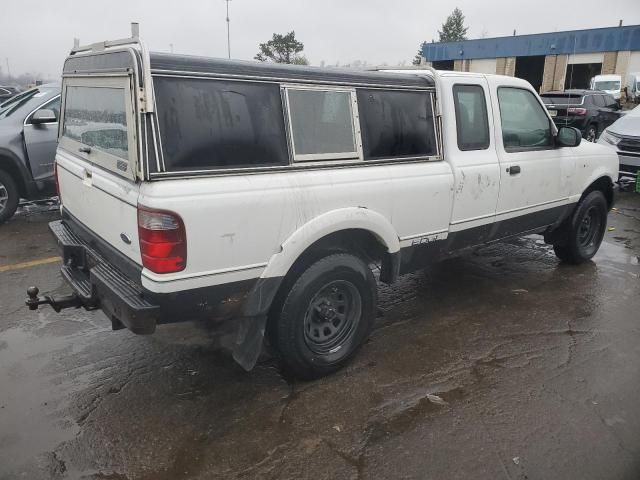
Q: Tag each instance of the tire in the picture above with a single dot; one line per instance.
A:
(9, 196)
(318, 323)
(591, 133)
(584, 230)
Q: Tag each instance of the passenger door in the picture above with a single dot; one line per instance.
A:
(535, 177)
(41, 141)
(472, 155)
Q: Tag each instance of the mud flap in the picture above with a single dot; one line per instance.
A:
(249, 339)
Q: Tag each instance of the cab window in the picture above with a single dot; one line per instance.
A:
(525, 125)
(471, 117)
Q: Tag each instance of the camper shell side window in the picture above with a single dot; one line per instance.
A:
(209, 125)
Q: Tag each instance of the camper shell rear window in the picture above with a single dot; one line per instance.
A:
(98, 122)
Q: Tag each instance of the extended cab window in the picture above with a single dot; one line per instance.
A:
(211, 124)
(396, 123)
(525, 124)
(471, 117)
(322, 124)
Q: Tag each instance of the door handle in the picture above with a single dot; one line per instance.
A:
(85, 149)
(513, 170)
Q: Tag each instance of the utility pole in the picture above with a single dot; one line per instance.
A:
(228, 35)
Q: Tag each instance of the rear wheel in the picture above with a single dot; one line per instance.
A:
(584, 230)
(324, 317)
(9, 196)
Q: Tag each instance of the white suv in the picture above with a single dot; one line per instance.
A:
(261, 193)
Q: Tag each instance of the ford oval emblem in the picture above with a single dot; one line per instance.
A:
(125, 238)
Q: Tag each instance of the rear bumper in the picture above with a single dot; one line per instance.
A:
(102, 278)
(98, 284)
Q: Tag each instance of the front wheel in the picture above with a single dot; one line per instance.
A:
(325, 316)
(9, 196)
(584, 231)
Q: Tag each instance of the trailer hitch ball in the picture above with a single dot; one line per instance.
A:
(33, 300)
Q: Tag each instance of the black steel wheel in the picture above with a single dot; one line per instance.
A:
(584, 231)
(322, 316)
(9, 196)
(331, 316)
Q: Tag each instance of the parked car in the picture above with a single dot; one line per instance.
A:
(632, 86)
(28, 138)
(197, 188)
(611, 84)
(624, 136)
(7, 92)
(588, 111)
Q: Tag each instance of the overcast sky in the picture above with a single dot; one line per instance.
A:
(35, 35)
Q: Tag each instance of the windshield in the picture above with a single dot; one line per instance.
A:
(563, 99)
(607, 85)
(29, 98)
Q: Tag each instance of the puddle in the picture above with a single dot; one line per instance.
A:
(32, 401)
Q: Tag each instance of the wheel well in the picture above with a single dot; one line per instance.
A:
(605, 185)
(359, 242)
(8, 166)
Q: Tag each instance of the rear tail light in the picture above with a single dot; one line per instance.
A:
(163, 240)
(577, 110)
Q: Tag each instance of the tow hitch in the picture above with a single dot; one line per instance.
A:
(57, 303)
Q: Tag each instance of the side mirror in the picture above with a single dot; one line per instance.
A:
(568, 137)
(44, 115)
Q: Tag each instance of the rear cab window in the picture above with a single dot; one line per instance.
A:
(98, 123)
(471, 117)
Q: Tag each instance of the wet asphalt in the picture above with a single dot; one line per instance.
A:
(499, 364)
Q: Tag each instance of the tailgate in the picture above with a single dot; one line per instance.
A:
(103, 202)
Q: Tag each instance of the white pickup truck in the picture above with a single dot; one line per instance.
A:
(260, 195)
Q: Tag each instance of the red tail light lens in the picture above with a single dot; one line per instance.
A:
(163, 240)
(577, 110)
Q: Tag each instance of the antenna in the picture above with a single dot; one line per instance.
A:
(228, 34)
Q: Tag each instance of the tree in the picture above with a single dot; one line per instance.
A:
(417, 60)
(453, 28)
(282, 49)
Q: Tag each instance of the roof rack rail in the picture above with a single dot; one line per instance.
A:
(99, 46)
(145, 93)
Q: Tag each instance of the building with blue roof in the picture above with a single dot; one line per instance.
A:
(549, 61)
